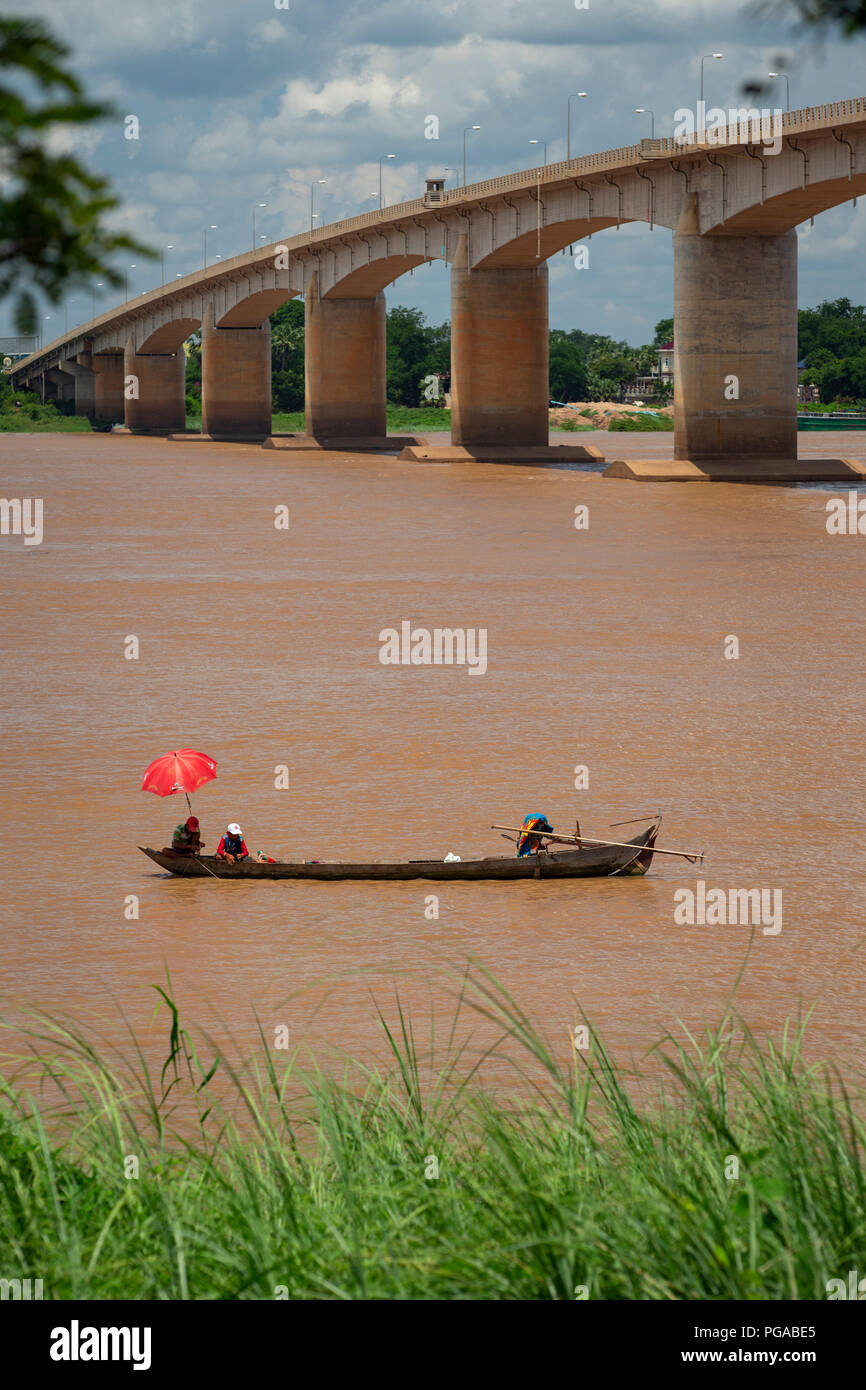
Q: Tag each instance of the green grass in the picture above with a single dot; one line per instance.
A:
(631, 424)
(42, 420)
(400, 420)
(321, 1185)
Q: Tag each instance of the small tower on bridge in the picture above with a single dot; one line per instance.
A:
(434, 194)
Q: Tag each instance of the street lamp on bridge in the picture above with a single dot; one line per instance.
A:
(701, 100)
(647, 111)
(213, 227)
(544, 144)
(570, 100)
(312, 194)
(74, 300)
(261, 205)
(465, 133)
(384, 157)
(787, 87)
(169, 247)
(93, 299)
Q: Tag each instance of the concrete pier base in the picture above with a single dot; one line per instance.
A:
(235, 380)
(770, 472)
(360, 445)
(499, 355)
(156, 398)
(108, 400)
(541, 456)
(345, 367)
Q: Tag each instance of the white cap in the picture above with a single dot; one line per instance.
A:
(234, 828)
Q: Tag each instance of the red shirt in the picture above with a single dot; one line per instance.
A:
(222, 851)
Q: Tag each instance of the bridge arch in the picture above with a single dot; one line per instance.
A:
(253, 309)
(168, 337)
(369, 280)
(787, 209)
(532, 247)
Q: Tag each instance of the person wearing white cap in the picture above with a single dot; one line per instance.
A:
(231, 847)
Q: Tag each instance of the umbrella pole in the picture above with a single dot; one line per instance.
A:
(188, 802)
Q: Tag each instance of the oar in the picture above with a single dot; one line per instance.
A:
(693, 858)
(651, 815)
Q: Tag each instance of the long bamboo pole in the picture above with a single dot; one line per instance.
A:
(694, 858)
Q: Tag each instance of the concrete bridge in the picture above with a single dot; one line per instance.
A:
(731, 204)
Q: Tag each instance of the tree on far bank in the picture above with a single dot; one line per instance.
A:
(287, 356)
(568, 380)
(53, 233)
(415, 351)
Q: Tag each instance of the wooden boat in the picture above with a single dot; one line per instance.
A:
(597, 861)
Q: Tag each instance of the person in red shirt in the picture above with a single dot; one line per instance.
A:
(231, 847)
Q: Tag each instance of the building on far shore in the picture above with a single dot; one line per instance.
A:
(648, 384)
(806, 393)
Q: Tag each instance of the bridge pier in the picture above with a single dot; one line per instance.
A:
(58, 386)
(735, 344)
(82, 385)
(345, 367)
(499, 354)
(157, 400)
(735, 362)
(108, 386)
(235, 379)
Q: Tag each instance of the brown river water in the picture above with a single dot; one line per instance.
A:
(260, 646)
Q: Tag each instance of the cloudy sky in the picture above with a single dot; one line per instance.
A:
(242, 102)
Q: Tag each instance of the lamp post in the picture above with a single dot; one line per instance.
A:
(647, 111)
(541, 142)
(261, 205)
(213, 227)
(570, 100)
(93, 298)
(465, 133)
(74, 300)
(384, 157)
(787, 87)
(312, 193)
(169, 247)
(701, 100)
(126, 280)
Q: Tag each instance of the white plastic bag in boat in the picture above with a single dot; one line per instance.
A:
(451, 858)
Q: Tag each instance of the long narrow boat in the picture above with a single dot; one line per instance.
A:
(598, 861)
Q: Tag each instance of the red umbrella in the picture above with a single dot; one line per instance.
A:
(184, 771)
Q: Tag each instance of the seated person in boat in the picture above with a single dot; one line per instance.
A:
(527, 842)
(231, 847)
(187, 837)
